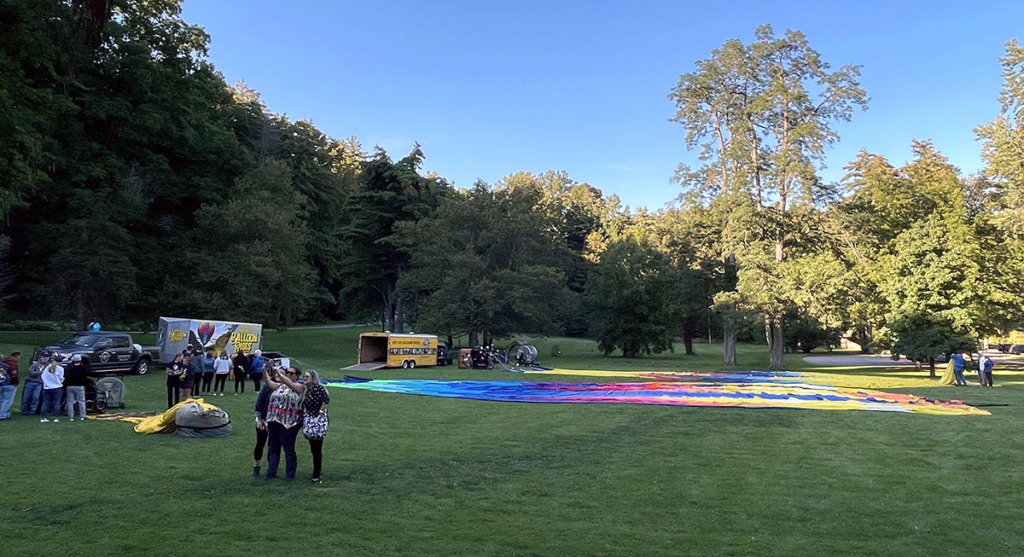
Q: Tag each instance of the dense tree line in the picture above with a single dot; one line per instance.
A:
(137, 183)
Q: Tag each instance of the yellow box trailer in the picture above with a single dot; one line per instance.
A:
(379, 350)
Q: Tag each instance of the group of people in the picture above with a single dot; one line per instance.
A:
(985, 365)
(48, 381)
(285, 407)
(192, 373)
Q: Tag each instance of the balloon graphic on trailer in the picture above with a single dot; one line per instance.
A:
(205, 332)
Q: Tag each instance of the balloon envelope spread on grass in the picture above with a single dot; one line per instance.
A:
(739, 394)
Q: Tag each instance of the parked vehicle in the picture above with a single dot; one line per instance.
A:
(380, 350)
(106, 352)
(444, 353)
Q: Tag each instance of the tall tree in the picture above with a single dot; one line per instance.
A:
(389, 193)
(765, 114)
(634, 295)
(487, 262)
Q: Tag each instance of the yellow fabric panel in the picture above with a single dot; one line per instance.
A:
(164, 423)
(948, 378)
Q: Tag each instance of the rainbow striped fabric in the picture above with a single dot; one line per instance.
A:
(738, 394)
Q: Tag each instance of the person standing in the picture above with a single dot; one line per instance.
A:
(986, 371)
(256, 367)
(240, 370)
(53, 380)
(314, 415)
(188, 381)
(76, 377)
(284, 420)
(7, 391)
(958, 368)
(208, 371)
(175, 372)
(31, 394)
(262, 405)
(221, 369)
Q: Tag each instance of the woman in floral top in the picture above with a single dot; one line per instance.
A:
(284, 420)
(314, 409)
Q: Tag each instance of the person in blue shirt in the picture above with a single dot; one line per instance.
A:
(94, 326)
(256, 368)
(958, 369)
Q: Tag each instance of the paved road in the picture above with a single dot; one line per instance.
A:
(1003, 361)
(856, 360)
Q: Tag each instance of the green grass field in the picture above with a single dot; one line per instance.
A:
(412, 475)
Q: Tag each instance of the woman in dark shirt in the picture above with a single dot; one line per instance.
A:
(240, 370)
(175, 370)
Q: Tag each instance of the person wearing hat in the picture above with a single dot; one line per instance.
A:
(33, 391)
(76, 377)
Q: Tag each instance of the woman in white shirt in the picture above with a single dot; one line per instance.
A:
(53, 380)
(222, 367)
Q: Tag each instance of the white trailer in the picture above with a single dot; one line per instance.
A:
(174, 334)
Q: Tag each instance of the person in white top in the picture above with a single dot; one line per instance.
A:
(222, 367)
(53, 380)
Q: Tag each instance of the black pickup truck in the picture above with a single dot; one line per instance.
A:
(106, 352)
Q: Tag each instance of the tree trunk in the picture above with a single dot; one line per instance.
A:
(931, 368)
(399, 318)
(688, 342)
(729, 346)
(728, 332)
(869, 338)
(473, 336)
(773, 334)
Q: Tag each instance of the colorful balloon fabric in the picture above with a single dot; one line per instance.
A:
(784, 377)
(739, 394)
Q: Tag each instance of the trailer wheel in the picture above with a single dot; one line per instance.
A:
(412, 364)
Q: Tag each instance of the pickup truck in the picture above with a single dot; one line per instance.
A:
(106, 352)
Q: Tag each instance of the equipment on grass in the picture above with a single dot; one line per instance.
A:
(109, 394)
(521, 353)
(193, 420)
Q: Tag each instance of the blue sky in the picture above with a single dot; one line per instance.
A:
(491, 88)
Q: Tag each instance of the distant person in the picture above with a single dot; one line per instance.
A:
(240, 371)
(94, 326)
(76, 377)
(188, 382)
(208, 372)
(262, 405)
(221, 369)
(986, 371)
(8, 391)
(175, 372)
(32, 393)
(256, 367)
(53, 380)
(981, 368)
(958, 369)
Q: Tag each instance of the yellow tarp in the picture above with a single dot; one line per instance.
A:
(164, 423)
(948, 378)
